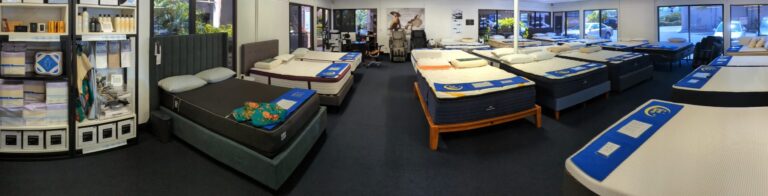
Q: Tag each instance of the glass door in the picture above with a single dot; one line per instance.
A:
(558, 21)
(602, 24)
(300, 26)
(322, 28)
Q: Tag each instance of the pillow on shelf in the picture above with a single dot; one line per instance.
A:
(216, 74)
(180, 84)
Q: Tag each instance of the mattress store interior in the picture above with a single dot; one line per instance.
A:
(384, 97)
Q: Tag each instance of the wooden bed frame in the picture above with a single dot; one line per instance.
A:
(435, 129)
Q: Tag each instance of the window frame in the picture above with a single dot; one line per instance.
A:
(759, 14)
(312, 21)
(658, 15)
(583, 20)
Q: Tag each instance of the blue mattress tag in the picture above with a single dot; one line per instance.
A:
(480, 85)
(290, 101)
(721, 61)
(333, 70)
(574, 70)
(736, 48)
(351, 56)
(625, 57)
(699, 77)
(601, 157)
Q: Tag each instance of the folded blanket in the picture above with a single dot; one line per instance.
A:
(591, 49)
(260, 114)
(267, 64)
(469, 62)
(518, 58)
(543, 55)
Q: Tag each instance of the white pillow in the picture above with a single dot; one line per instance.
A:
(468, 63)
(575, 45)
(760, 43)
(285, 57)
(753, 42)
(216, 74)
(529, 50)
(179, 84)
(591, 49)
(267, 64)
(677, 40)
(543, 55)
(503, 52)
(517, 58)
(300, 52)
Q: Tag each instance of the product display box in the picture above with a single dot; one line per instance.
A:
(10, 140)
(126, 129)
(107, 133)
(86, 136)
(56, 139)
(33, 140)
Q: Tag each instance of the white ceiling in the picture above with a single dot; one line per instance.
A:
(551, 1)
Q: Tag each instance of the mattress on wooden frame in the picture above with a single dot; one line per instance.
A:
(213, 112)
(478, 107)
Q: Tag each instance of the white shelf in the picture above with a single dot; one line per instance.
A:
(34, 5)
(20, 151)
(33, 37)
(34, 128)
(88, 123)
(106, 6)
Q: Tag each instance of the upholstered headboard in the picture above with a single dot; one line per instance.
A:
(184, 55)
(257, 51)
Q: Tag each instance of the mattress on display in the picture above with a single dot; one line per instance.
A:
(621, 45)
(431, 59)
(740, 61)
(664, 46)
(478, 107)
(353, 58)
(467, 82)
(510, 43)
(724, 87)
(666, 148)
(553, 38)
(619, 63)
(213, 112)
(740, 50)
(323, 77)
(589, 41)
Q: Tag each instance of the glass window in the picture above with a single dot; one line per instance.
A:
(671, 21)
(601, 24)
(487, 23)
(558, 22)
(216, 16)
(572, 24)
(764, 20)
(746, 20)
(171, 17)
(322, 28)
(300, 26)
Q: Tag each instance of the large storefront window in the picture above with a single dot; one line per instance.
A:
(748, 20)
(601, 24)
(300, 26)
(566, 23)
(692, 22)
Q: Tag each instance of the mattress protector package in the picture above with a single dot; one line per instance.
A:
(11, 116)
(49, 63)
(56, 114)
(11, 94)
(56, 93)
(35, 114)
(13, 63)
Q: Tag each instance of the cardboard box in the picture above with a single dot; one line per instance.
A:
(10, 140)
(126, 129)
(56, 139)
(107, 133)
(33, 140)
(86, 136)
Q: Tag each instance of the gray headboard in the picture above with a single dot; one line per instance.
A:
(184, 55)
(257, 51)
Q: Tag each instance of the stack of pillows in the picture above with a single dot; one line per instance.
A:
(754, 42)
(183, 83)
(523, 56)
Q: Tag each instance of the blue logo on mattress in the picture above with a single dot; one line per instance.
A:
(333, 70)
(574, 70)
(452, 87)
(299, 96)
(601, 157)
(735, 48)
(517, 80)
(350, 56)
(721, 61)
(699, 77)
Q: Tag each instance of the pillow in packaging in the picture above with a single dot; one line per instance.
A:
(468, 62)
(558, 49)
(502, 52)
(180, 84)
(216, 74)
(518, 58)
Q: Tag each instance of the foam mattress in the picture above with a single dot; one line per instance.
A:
(724, 86)
(306, 75)
(213, 112)
(665, 148)
(740, 61)
(353, 58)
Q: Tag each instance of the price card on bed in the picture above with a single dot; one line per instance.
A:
(635, 129)
(482, 84)
(702, 75)
(286, 104)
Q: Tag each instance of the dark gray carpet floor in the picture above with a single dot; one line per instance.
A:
(375, 145)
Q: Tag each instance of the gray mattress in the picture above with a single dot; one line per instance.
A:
(546, 87)
(212, 112)
(474, 108)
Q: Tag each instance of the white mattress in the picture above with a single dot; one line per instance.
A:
(437, 55)
(699, 151)
(736, 79)
(552, 39)
(599, 56)
(477, 75)
(541, 68)
(736, 61)
(301, 69)
(460, 43)
(331, 57)
(590, 41)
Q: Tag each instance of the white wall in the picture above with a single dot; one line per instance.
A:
(143, 52)
(437, 13)
(637, 18)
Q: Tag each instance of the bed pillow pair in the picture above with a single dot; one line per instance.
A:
(216, 75)
(760, 42)
(179, 84)
(518, 58)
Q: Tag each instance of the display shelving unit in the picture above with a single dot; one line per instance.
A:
(72, 138)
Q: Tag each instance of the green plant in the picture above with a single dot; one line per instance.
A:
(171, 17)
(509, 24)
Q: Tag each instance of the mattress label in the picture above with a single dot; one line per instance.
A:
(574, 70)
(333, 70)
(699, 77)
(721, 61)
(601, 157)
(625, 57)
(459, 87)
(736, 48)
(291, 101)
(351, 56)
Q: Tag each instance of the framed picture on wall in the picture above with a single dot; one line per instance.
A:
(470, 22)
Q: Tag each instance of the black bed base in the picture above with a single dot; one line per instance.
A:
(474, 108)
(337, 99)
(627, 73)
(562, 87)
(720, 99)
(631, 79)
(668, 57)
(572, 187)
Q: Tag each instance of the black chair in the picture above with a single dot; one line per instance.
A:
(707, 50)
(346, 43)
(373, 52)
(418, 39)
